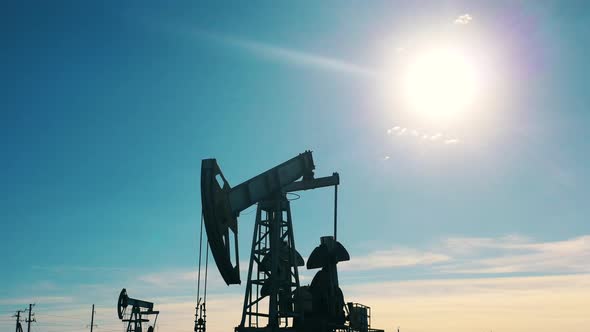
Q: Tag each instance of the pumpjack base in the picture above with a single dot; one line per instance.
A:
(265, 329)
(292, 329)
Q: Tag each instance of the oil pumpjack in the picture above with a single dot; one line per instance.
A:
(274, 299)
(139, 309)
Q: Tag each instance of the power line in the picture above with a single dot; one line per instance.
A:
(29, 320)
(19, 327)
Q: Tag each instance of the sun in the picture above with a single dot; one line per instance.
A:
(441, 84)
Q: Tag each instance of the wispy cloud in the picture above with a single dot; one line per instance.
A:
(451, 141)
(463, 286)
(179, 278)
(271, 51)
(398, 131)
(170, 278)
(393, 258)
(466, 245)
(474, 255)
(463, 19)
(69, 269)
(292, 56)
(40, 299)
(519, 255)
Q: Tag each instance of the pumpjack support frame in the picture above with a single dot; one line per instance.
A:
(272, 274)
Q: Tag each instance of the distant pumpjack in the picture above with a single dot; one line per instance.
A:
(139, 308)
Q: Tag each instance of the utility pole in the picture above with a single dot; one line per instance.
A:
(92, 319)
(29, 320)
(19, 327)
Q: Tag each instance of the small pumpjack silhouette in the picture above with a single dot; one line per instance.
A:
(139, 308)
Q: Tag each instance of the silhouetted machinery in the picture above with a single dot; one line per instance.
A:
(274, 299)
(139, 308)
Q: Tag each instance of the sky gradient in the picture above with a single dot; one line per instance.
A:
(474, 224)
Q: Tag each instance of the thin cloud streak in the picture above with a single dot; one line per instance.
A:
(297, 57)
(454, 256)
(519, 255)
(393, 258)
(274, 52)
(68, 269)
(403, 131)
(39, 299)
(481, 256)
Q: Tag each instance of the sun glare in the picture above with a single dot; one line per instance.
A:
(440, 85)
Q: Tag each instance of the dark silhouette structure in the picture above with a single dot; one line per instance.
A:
(200, 317)
(139, 309)
(92, 325)
(19, 327)
(274, 299)
(31, 318)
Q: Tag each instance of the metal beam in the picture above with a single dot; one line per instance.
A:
(326, 181)
(270, 182)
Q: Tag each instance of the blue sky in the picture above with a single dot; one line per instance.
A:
(108, 108)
